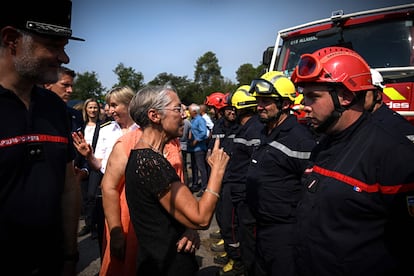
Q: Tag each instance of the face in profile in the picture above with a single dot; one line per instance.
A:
(172, 120)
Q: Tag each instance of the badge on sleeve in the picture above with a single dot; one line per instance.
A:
(410, 205)
(312, 184)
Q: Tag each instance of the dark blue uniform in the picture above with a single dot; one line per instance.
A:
(273, 191)
(246, 140)
(77, 124)
(394, 122)
(356, 216)
(225, 131)
(35, 146)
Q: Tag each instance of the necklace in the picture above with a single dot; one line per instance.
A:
(151, 146)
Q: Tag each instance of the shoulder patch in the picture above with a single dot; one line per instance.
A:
(105, 124)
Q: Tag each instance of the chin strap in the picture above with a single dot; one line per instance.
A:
(335, 114)
(375, 94)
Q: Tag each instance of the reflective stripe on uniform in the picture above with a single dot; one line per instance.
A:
(30, 138)
(289, 152)
(361, 186)
(218, 136)
(252, 142)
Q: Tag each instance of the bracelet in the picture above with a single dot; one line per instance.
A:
(212, 192)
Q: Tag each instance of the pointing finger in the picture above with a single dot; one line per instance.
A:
(217, 144)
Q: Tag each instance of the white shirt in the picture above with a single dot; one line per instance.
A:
(106, 140)
(209, 123)
(88, 133)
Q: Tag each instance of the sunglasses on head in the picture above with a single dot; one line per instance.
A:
(262, 86)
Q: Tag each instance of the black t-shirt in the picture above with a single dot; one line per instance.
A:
(35, 146)
(148, 177)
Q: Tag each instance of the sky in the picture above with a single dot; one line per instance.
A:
(168, 36)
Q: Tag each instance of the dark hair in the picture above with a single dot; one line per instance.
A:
(66, 71)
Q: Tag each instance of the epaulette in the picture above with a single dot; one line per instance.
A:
(105, 124)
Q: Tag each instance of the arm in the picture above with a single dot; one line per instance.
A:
(111, 182)
(71, 199)
(190, 240)
(182, 205)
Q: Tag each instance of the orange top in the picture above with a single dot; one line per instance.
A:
(112, 266)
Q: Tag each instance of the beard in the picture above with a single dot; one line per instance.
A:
(30, 67)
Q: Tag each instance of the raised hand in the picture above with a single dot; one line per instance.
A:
(218, 158)
(80, 144)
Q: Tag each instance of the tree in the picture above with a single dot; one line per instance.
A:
(227, 86)
(246, 73)
(165, 78)
(128, 76)
(185, 87)
(207, 70)
(261, 69)
(86, 85)
(192, 93)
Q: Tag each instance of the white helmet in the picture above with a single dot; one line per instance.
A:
(377, 79)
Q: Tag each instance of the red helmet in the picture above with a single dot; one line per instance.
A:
(216, 99)
(334, 65)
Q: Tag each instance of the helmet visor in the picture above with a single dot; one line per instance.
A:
(262, 87)
(309, 67)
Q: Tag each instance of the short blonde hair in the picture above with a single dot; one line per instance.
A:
(122, 94)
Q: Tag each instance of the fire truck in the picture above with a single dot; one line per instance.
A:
(384, 37)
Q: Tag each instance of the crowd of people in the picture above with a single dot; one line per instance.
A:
(332, 196)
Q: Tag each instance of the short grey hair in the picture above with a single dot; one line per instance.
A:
(194, 107)
(149, 97)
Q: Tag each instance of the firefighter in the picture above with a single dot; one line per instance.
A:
(224, 128)
(240, 248)
(215, 101)
(39, 195)
(381, 112)
(354, 217)
(273, 176)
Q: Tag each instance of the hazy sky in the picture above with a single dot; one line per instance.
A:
(157, 36)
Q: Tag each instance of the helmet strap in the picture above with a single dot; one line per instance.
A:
(374, 101)
(335, 114)
(376, 95)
